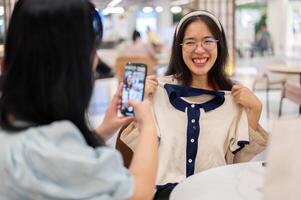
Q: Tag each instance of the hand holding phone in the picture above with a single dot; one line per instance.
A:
(133, 86)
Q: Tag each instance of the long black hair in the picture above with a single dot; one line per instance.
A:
(216, 76)
(48, 57)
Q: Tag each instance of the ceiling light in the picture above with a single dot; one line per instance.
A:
(114, 3)
(180, 2)
(147, 9)
(242, 2)
(1, 10)
(159, 9)
(175, 9)
(113, 10)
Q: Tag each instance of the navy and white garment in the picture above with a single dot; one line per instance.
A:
(197, 129)
(175, 94)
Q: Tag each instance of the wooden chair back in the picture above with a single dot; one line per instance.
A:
(126, 152)
(121, 61)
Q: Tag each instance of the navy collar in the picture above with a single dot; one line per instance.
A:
(175, 92)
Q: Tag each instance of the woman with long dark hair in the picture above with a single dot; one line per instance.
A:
(47, 149)
(204, 120)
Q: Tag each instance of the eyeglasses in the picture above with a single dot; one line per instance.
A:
(208, 44)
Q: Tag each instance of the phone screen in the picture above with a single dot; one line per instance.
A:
(133, 85)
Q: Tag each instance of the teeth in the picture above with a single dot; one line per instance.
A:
(200, 61)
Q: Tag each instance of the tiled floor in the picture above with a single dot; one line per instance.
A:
(245, 73)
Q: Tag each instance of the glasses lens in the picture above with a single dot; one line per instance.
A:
(209, 43)
(189, 46)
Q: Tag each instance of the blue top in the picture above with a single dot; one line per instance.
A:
(54, 162)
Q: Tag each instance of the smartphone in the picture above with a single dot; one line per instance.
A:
(133, 86)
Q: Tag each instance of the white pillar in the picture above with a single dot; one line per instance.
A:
(131, 21)
(8, 9)
(277, 25)
(165, 17)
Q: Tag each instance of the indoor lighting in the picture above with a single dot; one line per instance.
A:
(159, 9)
(175, 9)
(180, 2)
(113, 10)
(114, 3)
(147, 9)
(242, 2)
(1, 10)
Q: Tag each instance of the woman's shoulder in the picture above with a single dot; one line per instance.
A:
(58, 133)
(51, 155)
(57, 136)
(58, 139)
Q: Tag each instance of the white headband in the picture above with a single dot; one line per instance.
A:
(197, 13)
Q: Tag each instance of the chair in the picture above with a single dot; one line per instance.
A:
(292, 91)
(126, 152)
(121, 61)
(269, 82)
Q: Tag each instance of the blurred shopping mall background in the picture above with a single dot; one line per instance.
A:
(243, 21)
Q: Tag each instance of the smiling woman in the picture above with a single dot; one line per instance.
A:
(199, 58)
(197, 28)
(203, 119)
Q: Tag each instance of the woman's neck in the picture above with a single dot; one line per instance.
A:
(202, 83)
